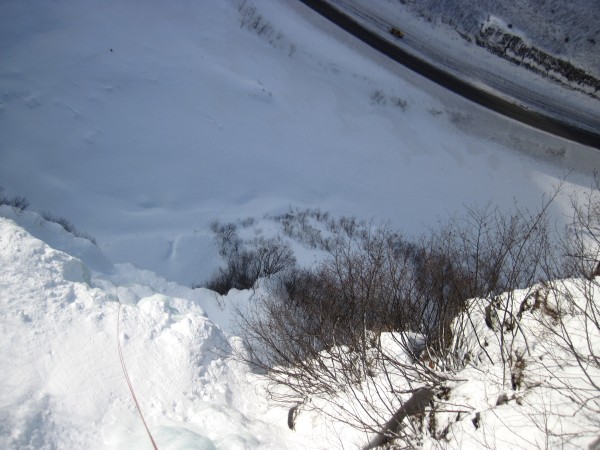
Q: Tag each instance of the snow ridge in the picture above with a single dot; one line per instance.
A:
(65, 387)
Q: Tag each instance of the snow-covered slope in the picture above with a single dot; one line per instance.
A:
(65, 328)
(62, 384)
(143, 122)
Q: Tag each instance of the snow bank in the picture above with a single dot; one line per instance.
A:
(526, 377)
(523, 385)
(62, 385)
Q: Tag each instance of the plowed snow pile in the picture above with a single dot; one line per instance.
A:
(62, 385)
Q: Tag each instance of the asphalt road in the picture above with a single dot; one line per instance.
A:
(587, 135)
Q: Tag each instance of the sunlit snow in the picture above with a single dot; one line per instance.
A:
(142, 122)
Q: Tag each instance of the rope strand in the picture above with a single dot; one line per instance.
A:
(137, 405)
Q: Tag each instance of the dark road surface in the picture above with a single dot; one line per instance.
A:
(501, 105)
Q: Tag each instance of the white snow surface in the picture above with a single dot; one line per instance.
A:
(143, 122)
(62, 385)
(523, 388)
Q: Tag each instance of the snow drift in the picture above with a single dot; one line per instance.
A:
(527, 373)
(62, 385)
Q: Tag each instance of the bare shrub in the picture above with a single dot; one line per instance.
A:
(246, 262)
(376, 319)
(582, 238)
(18, 202)
(495, 253)
(319, 332)
(21, 203)
(68, 226)
(571, 320)
(306, 226)
(256, 23)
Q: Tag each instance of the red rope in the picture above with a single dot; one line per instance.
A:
(137, 405)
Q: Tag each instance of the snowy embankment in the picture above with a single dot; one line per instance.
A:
(517, 382)
(143, 123)
(532, 375)
(62, 385)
